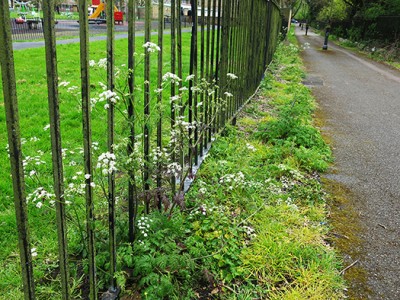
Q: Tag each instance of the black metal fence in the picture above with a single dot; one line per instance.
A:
(231, 44)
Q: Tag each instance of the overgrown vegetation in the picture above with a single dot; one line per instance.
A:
(255, 220)
(253, 225)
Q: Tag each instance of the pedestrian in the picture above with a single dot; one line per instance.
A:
(307, 28)
(189, 14)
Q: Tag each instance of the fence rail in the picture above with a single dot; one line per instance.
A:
(169, 121)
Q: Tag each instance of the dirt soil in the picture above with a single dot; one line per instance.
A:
(359, 104)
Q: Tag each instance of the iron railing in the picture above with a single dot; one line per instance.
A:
(231, 44)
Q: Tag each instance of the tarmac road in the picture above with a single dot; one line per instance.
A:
(360, 103)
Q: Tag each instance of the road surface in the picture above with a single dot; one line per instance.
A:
(359, 102)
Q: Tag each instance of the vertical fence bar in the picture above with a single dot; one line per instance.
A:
(181, 111)
(213, 76)
(178, 22)
(159, 97)
(110, 144)
(14, 143)
(87, 144)
(202, 73)
(173, 90)
(55, 132)
(218, 65)
(224, 61)
(193, 95)
(132, 193)
(146, 129)
(208, 106)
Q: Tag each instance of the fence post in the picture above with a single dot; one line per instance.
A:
(193, 95)
(146, 109)
(132, 194)
(159, 97)
(14, 143)
(113, 290)
(87, 144)
(173, 90)
(58, 176)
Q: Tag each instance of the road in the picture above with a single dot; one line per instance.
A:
(359, 104)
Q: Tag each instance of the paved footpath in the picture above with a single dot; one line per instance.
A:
(360, 102)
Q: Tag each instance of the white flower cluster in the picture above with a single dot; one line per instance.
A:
(232, 76)
(233, 180)
(250, 231)
(227, 94)
(77, 186)
(143, 225)
(102, 63)
(296, 174)
(251, 147)
(107, 163)
(158, 155)
(36, 160)
(238, 181)
(190, 77)
(181, 123)
(108, 96)
(40, 196)
(170, 77)
(174, 169)
(71, 89)
(33, 252)
(204, 210)
(151, 47)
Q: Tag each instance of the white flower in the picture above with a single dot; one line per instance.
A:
(72, 89)
(64, 83)
(151, 47)
(228, 94)
(102, 63)
(232, 76)
(109, 95)
(175, 98)
(33, 252)
(171, 77)
(106, 162)
(87, 176)
(250, 147)
(45, 128)
(190, 77)
(39, 204)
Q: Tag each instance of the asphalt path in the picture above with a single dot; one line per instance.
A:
(360, 102)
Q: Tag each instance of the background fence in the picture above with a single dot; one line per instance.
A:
(33, 29)
(169, 121)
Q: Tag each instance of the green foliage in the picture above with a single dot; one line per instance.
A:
(290, 126)
(158, 259)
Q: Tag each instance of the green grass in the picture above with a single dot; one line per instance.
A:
(33, 111)
(278, 196)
